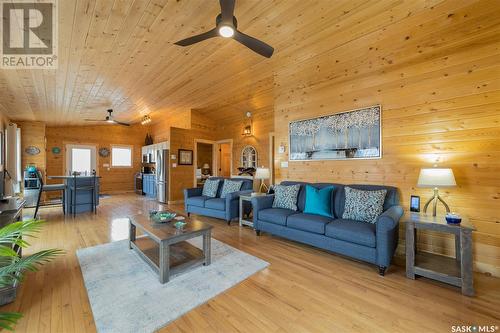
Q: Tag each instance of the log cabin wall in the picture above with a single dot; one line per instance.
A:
(33, 135)
(113, 180)
(435, 70)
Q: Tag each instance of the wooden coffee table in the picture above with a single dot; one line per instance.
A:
(165, 248)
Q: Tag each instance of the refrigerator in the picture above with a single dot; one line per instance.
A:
(162, 162)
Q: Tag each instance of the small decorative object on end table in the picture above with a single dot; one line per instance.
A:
(455, 271)
(248, 198)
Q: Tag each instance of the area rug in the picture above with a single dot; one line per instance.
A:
(126, 296)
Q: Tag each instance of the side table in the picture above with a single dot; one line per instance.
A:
(248, 198)
(455, 271)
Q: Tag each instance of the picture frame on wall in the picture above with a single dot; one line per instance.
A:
(348, 135)
(185, 157)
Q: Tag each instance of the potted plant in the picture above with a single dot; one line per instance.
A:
(12, 265)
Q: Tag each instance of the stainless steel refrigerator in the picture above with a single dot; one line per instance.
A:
(162, 175)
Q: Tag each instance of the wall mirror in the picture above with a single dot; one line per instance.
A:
(249, 157)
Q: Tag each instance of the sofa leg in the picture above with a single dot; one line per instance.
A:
(229, 222)
(257, 232)
(189, 214)
(381, 270)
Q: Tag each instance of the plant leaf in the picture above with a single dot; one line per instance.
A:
(9, 319)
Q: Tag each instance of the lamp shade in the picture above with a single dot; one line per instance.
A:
(206, 166)
(262, 173)
(436, 177)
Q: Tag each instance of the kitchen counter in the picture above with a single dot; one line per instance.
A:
(83, 197)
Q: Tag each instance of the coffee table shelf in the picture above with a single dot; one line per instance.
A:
(165, 249)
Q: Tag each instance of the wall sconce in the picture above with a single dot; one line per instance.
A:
(247, 130)
(145, 120)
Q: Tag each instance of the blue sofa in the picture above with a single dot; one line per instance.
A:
(223, 208)
(373, 243)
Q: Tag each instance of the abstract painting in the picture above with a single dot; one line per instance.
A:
(353, 134)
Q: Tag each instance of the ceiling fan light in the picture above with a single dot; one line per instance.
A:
(226, 31)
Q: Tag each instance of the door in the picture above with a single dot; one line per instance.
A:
(225, 156)
(80, 158)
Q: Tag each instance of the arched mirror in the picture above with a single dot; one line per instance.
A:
(249, 157)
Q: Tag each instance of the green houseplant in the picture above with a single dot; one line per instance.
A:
(12, 266)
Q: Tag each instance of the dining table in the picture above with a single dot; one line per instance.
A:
(83, 201)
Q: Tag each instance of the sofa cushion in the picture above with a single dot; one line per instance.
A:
(362, 205)
(216, 203)
(319, 201)
(308, 222)
(286, 196)
(275, 215)
(211, 187)
(362, 233)
(230, 186)
(197, 201)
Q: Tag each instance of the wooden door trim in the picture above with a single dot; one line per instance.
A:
(217, 166)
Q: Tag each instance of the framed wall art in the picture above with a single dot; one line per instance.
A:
(185, 157)
(355, 134)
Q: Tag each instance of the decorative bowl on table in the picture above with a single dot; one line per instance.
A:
(453, 218)
(180, 224)
(161, 217)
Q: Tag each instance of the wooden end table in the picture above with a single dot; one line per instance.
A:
(164, 247)
(455, 271)
(247, 197)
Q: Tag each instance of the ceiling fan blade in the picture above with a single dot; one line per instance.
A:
(254, 44)
(198, 38)
(93, 120)
(120, 123)
(227, 11)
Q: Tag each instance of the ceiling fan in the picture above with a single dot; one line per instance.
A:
(226, 26)
(109, 119)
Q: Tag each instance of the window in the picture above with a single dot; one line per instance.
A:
(121, 156)
(81, 160)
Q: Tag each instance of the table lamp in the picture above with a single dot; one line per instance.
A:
(205, 169)
(262, 174)
(435, 178)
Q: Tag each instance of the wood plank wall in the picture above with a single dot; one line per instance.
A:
(113, 179)
(435, 70)
(33, 134)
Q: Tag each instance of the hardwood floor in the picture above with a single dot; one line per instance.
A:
(303, 290)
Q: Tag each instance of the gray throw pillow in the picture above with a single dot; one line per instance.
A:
(230, 186)
(286, 196)
(210, 188)
(365, 206)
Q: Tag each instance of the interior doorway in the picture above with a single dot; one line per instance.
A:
(204, 159)
(224, 158)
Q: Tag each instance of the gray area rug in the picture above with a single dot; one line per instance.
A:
(126, 296)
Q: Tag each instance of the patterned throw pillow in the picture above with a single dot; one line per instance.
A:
(362, 205)
(210, 188)
(230, 186)
(286, 196)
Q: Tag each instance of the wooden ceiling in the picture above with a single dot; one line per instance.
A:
(120, 54)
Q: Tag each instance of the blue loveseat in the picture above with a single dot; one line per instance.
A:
(373, 243)
(223, 208)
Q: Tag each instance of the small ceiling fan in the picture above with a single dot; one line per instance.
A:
(226, 26)
(109, 119)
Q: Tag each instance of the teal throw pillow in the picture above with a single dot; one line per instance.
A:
(319, 201)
